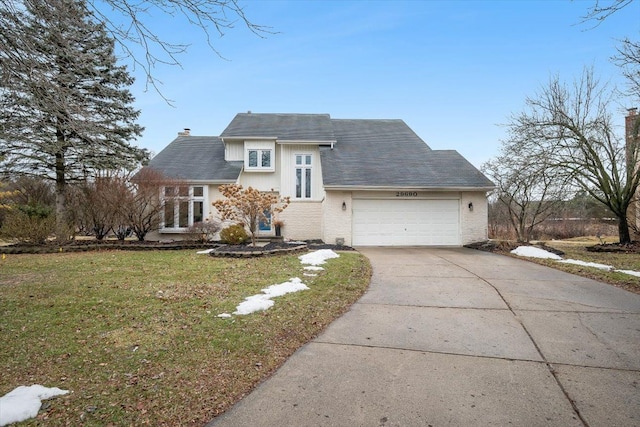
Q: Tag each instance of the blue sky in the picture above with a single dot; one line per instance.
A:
(452, 70)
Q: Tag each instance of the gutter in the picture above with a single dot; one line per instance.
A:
(399, 187)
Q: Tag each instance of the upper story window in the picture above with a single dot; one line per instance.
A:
(303, 176)
(183, 206)
(259, 156)
(260, 159)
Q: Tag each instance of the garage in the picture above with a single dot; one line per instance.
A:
(412, 222)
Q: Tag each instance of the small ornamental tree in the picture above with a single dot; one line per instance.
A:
(249, 206)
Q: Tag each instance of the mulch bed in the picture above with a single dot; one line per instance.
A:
(220, 249)
(629, 248)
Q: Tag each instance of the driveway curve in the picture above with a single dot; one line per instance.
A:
(461, 337)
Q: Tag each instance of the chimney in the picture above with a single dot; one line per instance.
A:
(632, 128)
(186, 132)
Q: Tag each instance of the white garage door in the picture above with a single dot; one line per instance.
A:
(406, 222)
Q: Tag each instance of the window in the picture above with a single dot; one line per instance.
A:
(183, 206)
(303, 176)
(259, 159)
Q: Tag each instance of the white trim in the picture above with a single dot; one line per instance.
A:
(260, 147)
(304, 166)
(190, 199)
(306, 142)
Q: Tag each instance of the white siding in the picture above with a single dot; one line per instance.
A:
(474, 222)
(287, 170)
(234, 151)
(263, 181)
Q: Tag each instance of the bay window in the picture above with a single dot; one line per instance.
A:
(183, 206)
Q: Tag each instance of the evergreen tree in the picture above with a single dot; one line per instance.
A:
(65, 106)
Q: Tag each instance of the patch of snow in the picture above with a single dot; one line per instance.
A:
(293, 285)
(530, 251)
(224, 315)
(24, 402)
(630, 272)
(318, 257)
(206, 251)
(313, 268)
(263, 301)
(587, 264)
(310, 274)
(533, 252)
(254, 303)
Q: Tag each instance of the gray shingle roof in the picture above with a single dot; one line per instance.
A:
(284, 127)
(387, 153)
(366, 153)
(196, 158)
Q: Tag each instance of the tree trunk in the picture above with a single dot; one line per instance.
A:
(623, 230)
(61, 202)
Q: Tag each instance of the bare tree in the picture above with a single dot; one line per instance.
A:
(570, 126)
(628, 56)
(530, 191)
(144, 207)
(601, 10)
(628, 59)
(131, 24)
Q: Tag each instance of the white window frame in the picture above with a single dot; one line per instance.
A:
(178, 201)
(303, 167)
(260, 148)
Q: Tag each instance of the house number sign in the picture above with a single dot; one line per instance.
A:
(406, 194)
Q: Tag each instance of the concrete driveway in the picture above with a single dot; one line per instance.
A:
(461, 337)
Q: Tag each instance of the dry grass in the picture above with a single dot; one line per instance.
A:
(576, 249)
(135, 337)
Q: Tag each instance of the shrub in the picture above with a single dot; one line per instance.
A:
(20, 226)
(204, 231)
(234, 234)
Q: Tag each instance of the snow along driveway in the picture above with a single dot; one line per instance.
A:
(533, 252)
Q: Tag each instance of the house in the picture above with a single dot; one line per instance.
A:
(357, 182)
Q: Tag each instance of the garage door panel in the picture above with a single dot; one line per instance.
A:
(406, 222)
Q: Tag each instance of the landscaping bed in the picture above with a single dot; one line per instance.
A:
(219, 249)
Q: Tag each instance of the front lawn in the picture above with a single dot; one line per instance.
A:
(578, 251)
(135, 336)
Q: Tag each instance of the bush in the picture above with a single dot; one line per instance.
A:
(234, 234)
(204, 231)
(22, 227)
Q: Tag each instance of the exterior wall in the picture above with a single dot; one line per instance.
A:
(211, 194)
(287, 170)
(337, 223)
(302, 221)
(234, 151)
(263, 181)
(474, 223)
